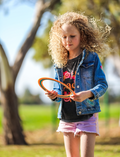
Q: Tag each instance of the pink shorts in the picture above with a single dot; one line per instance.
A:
(90, 126)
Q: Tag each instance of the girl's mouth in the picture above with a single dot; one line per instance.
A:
(69, 44)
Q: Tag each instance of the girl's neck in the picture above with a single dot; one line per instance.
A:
(74, 54)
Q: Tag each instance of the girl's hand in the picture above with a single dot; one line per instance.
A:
(81, 96)
(51, 94)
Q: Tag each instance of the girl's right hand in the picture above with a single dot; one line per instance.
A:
(51, 94)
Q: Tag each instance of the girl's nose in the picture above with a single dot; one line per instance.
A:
(68, 39)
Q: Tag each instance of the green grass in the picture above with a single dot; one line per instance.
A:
(35, 117)
(111, 111)
(54, 151)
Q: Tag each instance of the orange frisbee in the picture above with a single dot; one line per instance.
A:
(40, 82)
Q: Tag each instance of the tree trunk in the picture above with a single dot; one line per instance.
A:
(13, 133)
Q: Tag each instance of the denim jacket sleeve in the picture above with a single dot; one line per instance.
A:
(100, 83)
(57, 87)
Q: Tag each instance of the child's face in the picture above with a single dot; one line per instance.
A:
(70, 38)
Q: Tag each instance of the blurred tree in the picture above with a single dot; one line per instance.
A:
(13, 132)
(113, 98)
(28, 98)
(41, 49)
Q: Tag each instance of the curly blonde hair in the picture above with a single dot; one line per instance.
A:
(93, 36)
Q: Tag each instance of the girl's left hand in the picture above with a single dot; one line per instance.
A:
(81, 96)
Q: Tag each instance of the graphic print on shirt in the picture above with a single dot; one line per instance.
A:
(69, 80)
(69, 73)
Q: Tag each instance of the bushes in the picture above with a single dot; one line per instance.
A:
(28, 98)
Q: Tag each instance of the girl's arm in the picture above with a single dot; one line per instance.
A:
(81, 96)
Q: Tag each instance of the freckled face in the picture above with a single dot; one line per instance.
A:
(70, 38)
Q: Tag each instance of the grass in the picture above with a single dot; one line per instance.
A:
(36, 117)
(54, 151)
(33, 151)
(111, 111)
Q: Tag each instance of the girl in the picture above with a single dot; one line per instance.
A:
(74, 41)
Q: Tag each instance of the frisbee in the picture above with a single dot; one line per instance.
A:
(40, 82)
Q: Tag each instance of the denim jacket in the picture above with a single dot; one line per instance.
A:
(89, 76)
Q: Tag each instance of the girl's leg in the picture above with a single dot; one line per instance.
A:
(72, 145)
(87, 144)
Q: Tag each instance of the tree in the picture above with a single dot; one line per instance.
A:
(30, 99)
(41, 55)
(13, 132)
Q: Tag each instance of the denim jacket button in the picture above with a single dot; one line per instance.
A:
(79, 112)
(77, 86)
(77, 73)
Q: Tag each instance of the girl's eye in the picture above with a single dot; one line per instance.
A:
(72, 36)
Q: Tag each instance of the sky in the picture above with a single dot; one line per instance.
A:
(14, 26)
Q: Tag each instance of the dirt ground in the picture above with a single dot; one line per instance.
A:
(109, 135)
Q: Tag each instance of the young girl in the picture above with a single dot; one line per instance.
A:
(74, 41)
